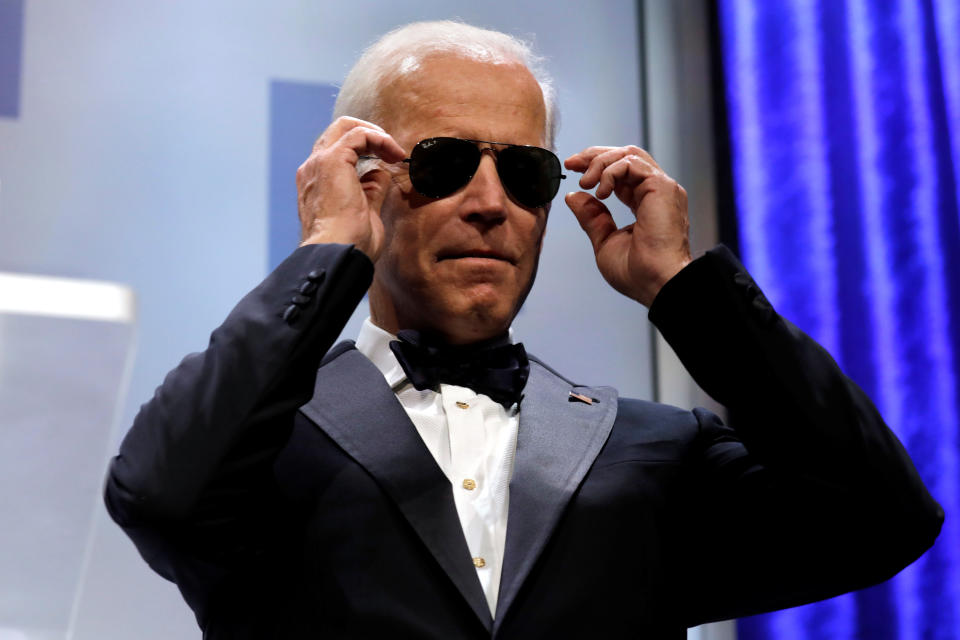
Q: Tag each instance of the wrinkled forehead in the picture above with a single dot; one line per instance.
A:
(462, 97)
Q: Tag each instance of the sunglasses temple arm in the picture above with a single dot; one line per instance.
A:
(378, 158)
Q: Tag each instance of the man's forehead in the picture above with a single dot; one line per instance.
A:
(450, 95)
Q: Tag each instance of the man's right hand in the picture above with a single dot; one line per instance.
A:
(334, 203)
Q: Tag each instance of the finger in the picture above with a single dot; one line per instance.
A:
(600, 163)
(363, 141)
(628, 171)
(643, 153)
(339, 127)
(358, 142)
(580, 161)
(593, 216)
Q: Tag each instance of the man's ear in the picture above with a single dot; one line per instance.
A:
(375, 182)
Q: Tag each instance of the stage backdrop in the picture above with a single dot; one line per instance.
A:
(844, 124)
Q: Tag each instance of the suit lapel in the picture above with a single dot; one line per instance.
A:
(355, 407)
(558, 441)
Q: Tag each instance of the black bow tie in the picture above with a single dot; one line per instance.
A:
(495, 367)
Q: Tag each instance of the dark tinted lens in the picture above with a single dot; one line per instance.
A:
(440, 166)
(530, 174)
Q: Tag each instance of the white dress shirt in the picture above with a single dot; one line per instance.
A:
(473, 439)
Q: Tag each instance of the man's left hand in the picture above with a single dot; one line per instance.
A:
(639, 258)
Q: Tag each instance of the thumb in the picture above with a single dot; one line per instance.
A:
(593, 216)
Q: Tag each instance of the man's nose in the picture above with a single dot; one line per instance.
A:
(484, 200)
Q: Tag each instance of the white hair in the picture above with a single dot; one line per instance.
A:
(401, 51)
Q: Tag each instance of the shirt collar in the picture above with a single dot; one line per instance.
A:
(374, 343)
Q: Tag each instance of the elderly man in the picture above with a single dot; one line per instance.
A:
(432, 481)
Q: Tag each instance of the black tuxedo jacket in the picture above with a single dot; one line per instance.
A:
(285, 491)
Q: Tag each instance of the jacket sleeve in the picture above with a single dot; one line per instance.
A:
(810, 494)
(193, 475)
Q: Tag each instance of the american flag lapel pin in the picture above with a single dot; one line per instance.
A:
(579, 397)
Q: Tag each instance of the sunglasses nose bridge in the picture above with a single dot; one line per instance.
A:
(493, 151)
(495, 154)
(486, 185)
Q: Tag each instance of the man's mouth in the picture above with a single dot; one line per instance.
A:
(487, 254)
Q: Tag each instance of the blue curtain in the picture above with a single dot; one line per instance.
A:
(844, 129)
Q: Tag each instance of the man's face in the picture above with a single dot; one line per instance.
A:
(458, 266)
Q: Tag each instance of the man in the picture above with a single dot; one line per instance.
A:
(440, 485)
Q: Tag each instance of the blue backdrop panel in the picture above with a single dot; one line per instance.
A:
(299, 113)
(844, 121)
(11, 52)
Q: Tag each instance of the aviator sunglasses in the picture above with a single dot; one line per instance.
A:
(441, 166)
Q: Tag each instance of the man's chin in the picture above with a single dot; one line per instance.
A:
(477, 318)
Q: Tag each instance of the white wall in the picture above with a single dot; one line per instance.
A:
(140, 155)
